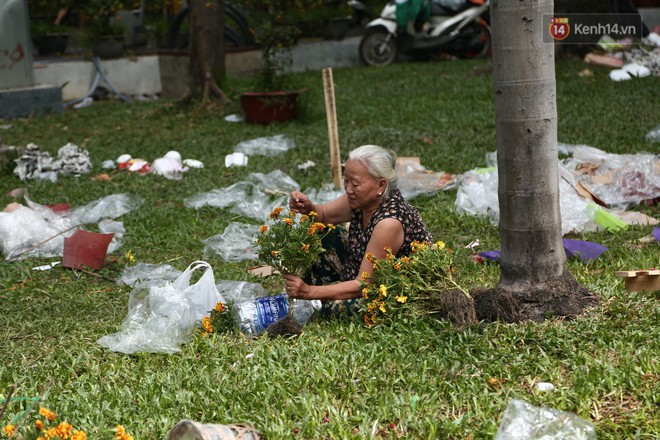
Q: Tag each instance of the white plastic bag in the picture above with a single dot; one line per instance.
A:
(162, 317)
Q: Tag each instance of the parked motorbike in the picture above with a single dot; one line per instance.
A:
(457, 27)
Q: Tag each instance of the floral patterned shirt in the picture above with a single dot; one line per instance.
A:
(395, 207)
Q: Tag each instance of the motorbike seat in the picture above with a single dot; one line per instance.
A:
(448, 8)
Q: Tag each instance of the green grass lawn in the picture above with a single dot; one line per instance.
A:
(416, 379)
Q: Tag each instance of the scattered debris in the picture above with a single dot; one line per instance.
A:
(265, 146)
(640, 280)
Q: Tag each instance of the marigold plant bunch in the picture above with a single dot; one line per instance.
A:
(219, 320)
(291, 246)
(411, 285)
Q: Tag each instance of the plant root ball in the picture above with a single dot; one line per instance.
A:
(285, 327)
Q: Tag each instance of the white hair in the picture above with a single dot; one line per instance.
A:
(379, 162)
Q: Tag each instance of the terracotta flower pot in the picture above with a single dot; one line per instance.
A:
(86, 249)
(267, 107)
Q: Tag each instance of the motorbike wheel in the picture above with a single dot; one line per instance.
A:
(377, 48)
(479, 44)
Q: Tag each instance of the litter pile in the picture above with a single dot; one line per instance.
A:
(35, 164)
(38, 230)
(628, 60)
(595, 189)
(170, 166)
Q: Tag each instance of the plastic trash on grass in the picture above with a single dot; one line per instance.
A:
(265, 146)
(236, 243)
(523, 421)
(145, 275)
(162, 317)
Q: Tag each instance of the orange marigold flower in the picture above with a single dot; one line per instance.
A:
(405, 259)
(219, 307)
(51, 433)
(312, 230)
(275, 213)
(397, 266)
(274, 253)
(263, 229)
(313, 214)
(305, 247)
(382, 308)
(388, 249)
(64, 430)
(288, 221)
(206, 324)
(304, 218)
(369, 256)
(79, 435)
(365, 276)
(390, 256)
(365, 293)
(320, 226)
(48, 414)
(39, 425)
(9, 430)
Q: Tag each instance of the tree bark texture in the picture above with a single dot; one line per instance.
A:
(526, 119)
(535, 282)
(207, 53)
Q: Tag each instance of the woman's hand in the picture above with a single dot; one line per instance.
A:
(300, 203)
(296, 287)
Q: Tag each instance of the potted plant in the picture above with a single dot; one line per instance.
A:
(273, 97)
(49, 32)
(103, 27)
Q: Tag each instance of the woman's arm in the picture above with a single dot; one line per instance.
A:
(336, 212)
(387, 233)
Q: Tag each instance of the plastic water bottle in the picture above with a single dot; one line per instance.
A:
(255, 315)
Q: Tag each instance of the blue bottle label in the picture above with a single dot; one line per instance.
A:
(271, 309)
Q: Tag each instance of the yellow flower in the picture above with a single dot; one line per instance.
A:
(79, 435)
(51, 433)
(439, 245)
(382, 290)
(39, 425)
(365, 276)
(390, 256)
(397, 266)
(319, 226)
(365, 293)
(388, 249)
(304, 218)
(313, 214)
(8, 430)
(331, 226)
(288, 221)
(64, 430)
(401, 299)
(121, 434)
(219, 307)
(405, 259)
(206, 324)
(312, 230)
(263, 229)
(382, 307)
(274, 253)
(129, 257)
(370, 257)
(305, 247)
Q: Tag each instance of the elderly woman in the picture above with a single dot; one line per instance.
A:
(379, 218)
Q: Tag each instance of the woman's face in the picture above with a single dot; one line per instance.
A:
(361, 187)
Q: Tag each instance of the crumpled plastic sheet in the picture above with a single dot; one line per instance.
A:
(414, 180)
(35, 164)
(524, 421)
(325, 194)
(108, 226)
(477, 196)
(146, 275)
(35, 230)
(620, 180)
(653, 135)
(247, 198)
(236, 243)
(265, 146)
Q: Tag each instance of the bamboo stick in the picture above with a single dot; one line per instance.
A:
(333, 135)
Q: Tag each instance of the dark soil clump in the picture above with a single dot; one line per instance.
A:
(559, 297)
(285, 327)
